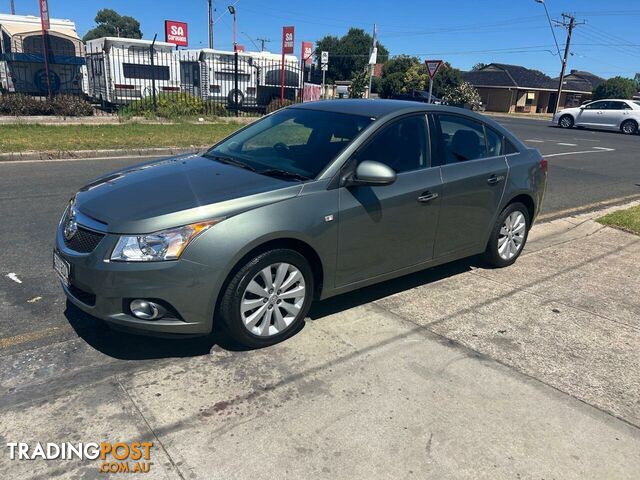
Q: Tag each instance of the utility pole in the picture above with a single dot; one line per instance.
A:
(13, 8)
(569, 26)
(262, 42)
(210, 17)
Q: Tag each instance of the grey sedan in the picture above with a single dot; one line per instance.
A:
(309, 202)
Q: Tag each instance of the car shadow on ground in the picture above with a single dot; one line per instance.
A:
(390, 287)
(128, 346)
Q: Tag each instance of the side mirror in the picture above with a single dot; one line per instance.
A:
(373, 173)
(582, 107)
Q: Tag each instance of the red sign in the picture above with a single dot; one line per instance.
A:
(432, 67)
(44, 14)
(287, 40)
(239, 48)
(176, 33)
(307, 52)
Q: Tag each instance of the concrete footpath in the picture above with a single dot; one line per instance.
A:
(457, 372)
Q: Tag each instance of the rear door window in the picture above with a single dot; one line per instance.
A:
(460, 139)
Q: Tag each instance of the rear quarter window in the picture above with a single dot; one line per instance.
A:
(509, 148)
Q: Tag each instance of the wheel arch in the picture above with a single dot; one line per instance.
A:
(527, 200)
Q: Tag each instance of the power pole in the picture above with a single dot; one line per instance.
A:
(262, 42)
(13, 8)
(569, 26)
(210, 17)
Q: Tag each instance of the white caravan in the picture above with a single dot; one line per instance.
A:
(121, 70)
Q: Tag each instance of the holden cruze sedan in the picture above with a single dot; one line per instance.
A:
(309, 202)
(621, 115)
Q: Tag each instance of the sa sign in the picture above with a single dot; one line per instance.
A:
(176, 33)
(287, 40)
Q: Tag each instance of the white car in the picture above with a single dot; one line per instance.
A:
(611, 114)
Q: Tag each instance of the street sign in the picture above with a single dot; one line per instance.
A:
(307, 52)
(44, 14)
(324, 67)
(432, 67)
(374, 56)
(287, 40)
(324, 58)
(176, 33)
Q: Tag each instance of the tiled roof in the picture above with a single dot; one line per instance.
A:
(504, 75)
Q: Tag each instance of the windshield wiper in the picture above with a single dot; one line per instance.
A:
(232, 161)
(275, 172)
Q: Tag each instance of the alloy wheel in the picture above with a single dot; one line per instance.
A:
(566, 122)
(629, 127)
(273, 299)
(511, 236)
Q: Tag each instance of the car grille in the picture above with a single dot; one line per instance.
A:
(82, 296)
(84, 241)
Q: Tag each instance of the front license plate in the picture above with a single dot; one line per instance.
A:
(61, 267)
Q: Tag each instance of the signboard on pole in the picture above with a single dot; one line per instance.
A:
(432, 67)
(374, 56)
(44, 15)
(176, 33)
(324, 58)
(307, 52)
(287, 48)
(287, 40)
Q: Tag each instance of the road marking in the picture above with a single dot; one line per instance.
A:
(14, 277)
(568, 144)
(567, 212)
(535, 141)
(34, 300)
(601, 150)
(28, 337)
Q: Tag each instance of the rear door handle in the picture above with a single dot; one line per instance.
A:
(494, 179)
(427, 197)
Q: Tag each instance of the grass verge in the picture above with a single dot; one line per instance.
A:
(627, 220)
(22, 138)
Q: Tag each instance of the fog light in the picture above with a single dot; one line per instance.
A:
(146, 310)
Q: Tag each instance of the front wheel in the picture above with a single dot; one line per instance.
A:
(508, 236)
(268, 298)
(629, 127)
(566, 121)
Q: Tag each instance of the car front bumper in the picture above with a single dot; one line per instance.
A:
(104, 289)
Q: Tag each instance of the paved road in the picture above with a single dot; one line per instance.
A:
(585, 166)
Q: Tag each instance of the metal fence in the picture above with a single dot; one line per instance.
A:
(139, 78)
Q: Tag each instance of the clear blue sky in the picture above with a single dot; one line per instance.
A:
(462, 32)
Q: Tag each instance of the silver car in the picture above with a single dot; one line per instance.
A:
(612, 114)
(309, 202)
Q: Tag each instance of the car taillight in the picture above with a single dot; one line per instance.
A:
(544, 165)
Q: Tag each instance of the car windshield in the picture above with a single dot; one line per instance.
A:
(294, 143)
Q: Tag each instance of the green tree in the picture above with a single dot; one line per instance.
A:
(616, 87)
(479, 66)
(359, 84)
(111, 24)
(349, 54)
(403, 74)
(447, 78)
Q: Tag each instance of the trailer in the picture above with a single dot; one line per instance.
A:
(210, 74)
(122, 70)
(22, 63)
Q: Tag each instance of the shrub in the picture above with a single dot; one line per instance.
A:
(277, 104)
(173, 106)
(616, 87)
(463, 95)
(71, 106)
(63, 105)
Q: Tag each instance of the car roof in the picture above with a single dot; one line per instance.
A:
(366, 107)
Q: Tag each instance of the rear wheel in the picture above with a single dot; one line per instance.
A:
(629, 127)
(268, 298)
(566, 121)
(508, 236)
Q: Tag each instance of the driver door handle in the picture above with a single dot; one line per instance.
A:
(493, 179)
(427, 197)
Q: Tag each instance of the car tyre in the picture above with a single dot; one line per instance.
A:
(566, 121)
(508, 236)
(265, 310)
(629, 127)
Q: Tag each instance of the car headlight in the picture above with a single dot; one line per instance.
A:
(158, 246)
